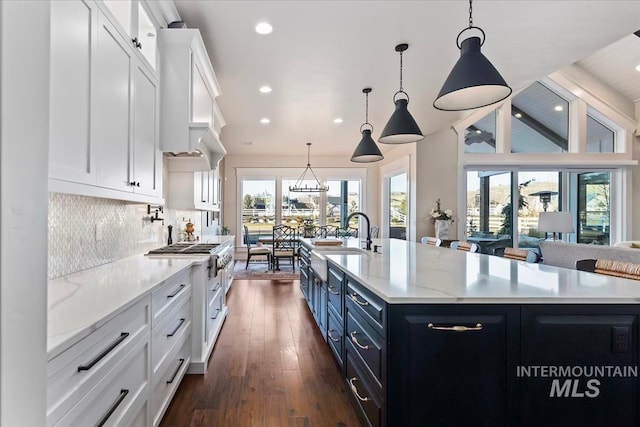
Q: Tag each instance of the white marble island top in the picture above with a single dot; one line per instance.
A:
(81, 302)
(412, 273)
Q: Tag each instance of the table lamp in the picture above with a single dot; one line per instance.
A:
(555, 222)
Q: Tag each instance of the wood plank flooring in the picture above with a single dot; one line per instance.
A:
(270, 367)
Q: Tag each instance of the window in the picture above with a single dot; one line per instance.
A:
(539, 192)
(258, 207)
(398, 206)
(600, 139)
(343, 198)
(594, 205)
(540, 121)
(299, 208)
(480, 137)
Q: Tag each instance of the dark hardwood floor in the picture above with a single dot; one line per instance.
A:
(270, 367)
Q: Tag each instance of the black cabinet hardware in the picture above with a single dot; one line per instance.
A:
(176, 329)
(177, 291)
(173, 377)
(104, 352)
(113, 407)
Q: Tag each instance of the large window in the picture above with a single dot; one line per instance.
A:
(300, 208)
(539, 191)
(343, 198)
(398, 196)
(594, 204)
(258, 207)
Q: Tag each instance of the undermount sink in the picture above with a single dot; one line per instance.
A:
(319, 260)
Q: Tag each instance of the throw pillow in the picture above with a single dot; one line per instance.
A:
(635, 245)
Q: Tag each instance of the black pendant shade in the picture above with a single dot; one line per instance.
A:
(367, 151)
(473, 82)
(401, 127)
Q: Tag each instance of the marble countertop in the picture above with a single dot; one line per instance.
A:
(81, 302)
(409, 272)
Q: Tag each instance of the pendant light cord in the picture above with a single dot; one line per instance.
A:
(470, 13)
(309, 156)
(366, 108)
(401, 90)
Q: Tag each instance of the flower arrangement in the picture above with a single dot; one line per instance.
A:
(438, 213)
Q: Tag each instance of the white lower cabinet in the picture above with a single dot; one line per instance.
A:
(104, 378)
(166, 381)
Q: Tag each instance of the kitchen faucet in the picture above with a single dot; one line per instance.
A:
(368, 241)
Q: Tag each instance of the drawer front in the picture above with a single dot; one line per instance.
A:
(77, 370)
(116, 400)
(367, 343)
(169, 332)
(335, 289)
(370, 306)
(335, 337)
(166, 383)
(368, 401)
(215, 315)
(163, 298)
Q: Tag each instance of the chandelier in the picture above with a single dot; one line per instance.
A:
(301, 187)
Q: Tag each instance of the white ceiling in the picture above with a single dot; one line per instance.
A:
(322, 53)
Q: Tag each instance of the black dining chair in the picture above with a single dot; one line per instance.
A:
(255, 251)
(285, 245)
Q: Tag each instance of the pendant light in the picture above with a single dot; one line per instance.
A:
(367, 151)
(300, 187)
(473, 82)
(401, 127)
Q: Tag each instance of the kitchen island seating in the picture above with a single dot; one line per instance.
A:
(464, 246)
(518, 254)
(255, 251)
(431, 241)
(285, 245)
(627, 270)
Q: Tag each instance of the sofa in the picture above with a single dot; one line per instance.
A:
(561, 254)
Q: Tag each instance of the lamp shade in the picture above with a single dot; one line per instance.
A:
(473, 82)
(555, 222)
(367, 151)
(401, 127)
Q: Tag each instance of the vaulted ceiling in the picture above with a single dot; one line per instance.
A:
(321, 55)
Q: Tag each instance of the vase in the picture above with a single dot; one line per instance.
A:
(442, 228)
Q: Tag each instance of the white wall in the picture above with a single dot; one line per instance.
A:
(24, 131)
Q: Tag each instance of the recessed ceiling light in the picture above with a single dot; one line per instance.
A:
(265, 89)
(337, 120)
(264, 28)
(638, 67)
(558, 108)
(518, 115)
(478, 131)
(265, 120)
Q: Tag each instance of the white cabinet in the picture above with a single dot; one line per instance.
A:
(105, 108)
(105, 376)
(191, 190)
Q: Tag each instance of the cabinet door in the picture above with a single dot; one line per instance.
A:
(112, 125)
(147, 36)
(147, 157)
(441, 376)
(73, 28)
(582, 338)
(202, 102)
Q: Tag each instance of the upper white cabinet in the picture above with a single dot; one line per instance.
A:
(104, 128)
(137, 26)
(190, 119)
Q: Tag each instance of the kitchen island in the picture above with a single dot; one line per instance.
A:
(433, 336)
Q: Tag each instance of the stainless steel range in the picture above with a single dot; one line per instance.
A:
(220, 254)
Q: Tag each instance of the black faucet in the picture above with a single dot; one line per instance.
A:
(368, 241)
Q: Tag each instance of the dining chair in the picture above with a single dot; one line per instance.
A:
(609, 267)
(464, 246)
(517, 254)
(255, 251)
(431, 241)
(285, 245)
(347, 232)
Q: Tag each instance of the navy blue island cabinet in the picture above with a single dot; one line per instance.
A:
(482, 364)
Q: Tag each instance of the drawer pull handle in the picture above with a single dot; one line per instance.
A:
(216, 288)
(355, 299)
(331, 337)
(175, 374)
(217, 313)
(177, 291)
(176, 329)
(355, 390)
(123, 336)
(113, 407)
(331, 291)
(355, 340)
(456, 328)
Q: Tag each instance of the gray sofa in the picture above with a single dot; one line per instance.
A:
(561, 254)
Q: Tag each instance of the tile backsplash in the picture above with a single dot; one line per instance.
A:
(75, 221)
